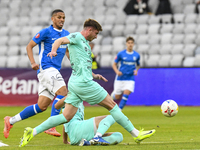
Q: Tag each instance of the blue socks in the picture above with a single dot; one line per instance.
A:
(123, 101)
(30, 111)
(34, 109)
(55, 111)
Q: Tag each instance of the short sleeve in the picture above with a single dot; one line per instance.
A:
(73, 38)
(40, 36)
(138, 60)
(118, 58)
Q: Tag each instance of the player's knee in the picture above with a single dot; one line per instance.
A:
(43, 107)
(62, 91)
(117, 97)
(111, 105)
(68, 117)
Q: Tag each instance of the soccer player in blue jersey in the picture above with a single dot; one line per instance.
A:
(82, 87)
(124, 83)
(51, 83)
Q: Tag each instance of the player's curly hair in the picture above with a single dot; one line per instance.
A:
(130, 38)
(92, 23)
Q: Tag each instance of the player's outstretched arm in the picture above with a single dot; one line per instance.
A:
(100, 77)
(65, 136)
(135, 72)
(114, 66)
(56, 44)
(29, 50)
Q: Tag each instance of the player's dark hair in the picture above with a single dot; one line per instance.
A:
(56, 11)
(130, 38)
(92, 23)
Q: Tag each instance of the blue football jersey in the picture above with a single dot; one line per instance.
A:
(128, 62)
(45, 38)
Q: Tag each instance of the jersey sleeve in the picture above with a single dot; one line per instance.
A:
(40, 36)
(73, 38)
(118, 58)
(138, 60)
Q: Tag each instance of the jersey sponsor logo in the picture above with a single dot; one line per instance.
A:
(37, 35)
(63, 46)
(128, 63)
(134, 58)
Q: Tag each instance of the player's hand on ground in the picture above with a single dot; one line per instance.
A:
(100, 77)
(119, 73)
(35, 66)
(52, 54)
(67, 142)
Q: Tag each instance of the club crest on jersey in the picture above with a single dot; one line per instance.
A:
(134, 58)
(73, 36)
(37, 35)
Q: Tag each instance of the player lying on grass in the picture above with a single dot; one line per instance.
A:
(80, 130)
(82, 87)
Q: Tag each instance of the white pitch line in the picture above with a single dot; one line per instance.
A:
(3, 144)
(166, 142)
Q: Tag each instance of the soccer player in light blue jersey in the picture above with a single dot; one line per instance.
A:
(129, 64)
(79, 130)
(51, 83)
(82, 87)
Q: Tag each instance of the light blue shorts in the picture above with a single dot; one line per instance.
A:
(90, 92)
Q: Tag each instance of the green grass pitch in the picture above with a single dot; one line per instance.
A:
(181, 132)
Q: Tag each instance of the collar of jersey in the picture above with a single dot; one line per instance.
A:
(84, 37)
(56, 29)
(129, 52)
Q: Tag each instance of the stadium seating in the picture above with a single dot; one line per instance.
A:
(106, 49)
(164, 60)
(3, 61)
(176, 60)
(197, 61)
(168, 40)
(188, 62)
(152, 60)
(23, 62)
(153, 49)
(106, 60)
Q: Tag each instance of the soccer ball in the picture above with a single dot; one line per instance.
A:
(169, 108)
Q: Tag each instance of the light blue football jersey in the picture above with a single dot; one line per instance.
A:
(45, 38)
(128, 62)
